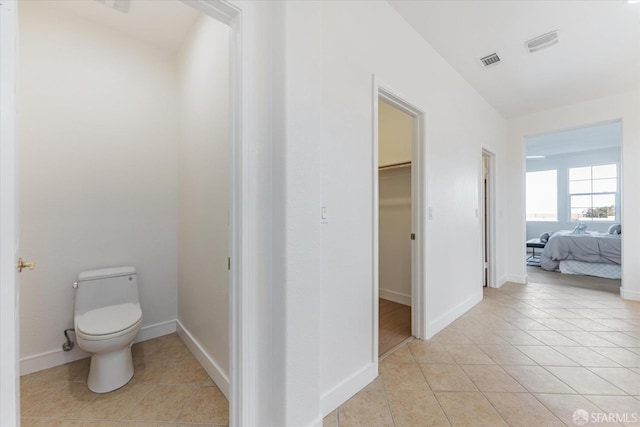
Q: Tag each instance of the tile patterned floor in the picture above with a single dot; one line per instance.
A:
(525, 356)
(169, 388)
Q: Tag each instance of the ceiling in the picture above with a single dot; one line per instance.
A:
(163, 23)
(598, 53)
(602, 136)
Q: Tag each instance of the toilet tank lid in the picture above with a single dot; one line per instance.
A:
(104, 273)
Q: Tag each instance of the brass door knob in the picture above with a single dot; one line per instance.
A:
(21, 264)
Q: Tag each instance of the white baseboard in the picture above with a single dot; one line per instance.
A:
(395, 297)
(515, 279)
(447, 318)
(339, 394)
(213, 369)
(630, 295)
(58, 357)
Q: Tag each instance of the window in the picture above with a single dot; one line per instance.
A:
(542, 196)
(592, 193)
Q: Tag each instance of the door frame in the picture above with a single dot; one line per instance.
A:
(418, 197)
(491, 213)
(9, 327)
(244, 234)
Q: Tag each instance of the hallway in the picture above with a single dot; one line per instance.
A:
(527, 355)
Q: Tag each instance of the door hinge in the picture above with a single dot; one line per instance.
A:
(228, 263)
(413, 236)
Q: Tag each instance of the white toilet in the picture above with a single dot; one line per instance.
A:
(107, 319)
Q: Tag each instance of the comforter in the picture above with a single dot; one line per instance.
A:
(589, 247)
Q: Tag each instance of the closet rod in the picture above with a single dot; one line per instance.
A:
(395, 166)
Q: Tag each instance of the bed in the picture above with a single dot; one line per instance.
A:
(591, 253)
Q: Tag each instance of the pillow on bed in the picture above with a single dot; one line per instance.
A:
(581, 228)
(615, 229)
(544, 237)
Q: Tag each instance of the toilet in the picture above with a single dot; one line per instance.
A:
(107, 318)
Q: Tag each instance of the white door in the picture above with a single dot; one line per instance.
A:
(9, 372)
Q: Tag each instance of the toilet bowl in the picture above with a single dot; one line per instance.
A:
(107, 320)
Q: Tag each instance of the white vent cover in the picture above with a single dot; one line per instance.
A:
(543, 41)
(490, 60)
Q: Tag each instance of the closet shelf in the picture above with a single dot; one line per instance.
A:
(395, 166)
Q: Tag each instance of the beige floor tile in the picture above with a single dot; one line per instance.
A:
(429, 352)
(506, 355)
(415, 408)
(447, 378)
(619, 338)
(74, 371)
(565, 405)
(145, 424)
(402, 376)
(468, 409)
(623, 378)
(171, 351)
(208, 405)
(559, 325)
(564, 313)
(451, 336)
(589, 313)
(623, 356)
(586, 357)
(620, 325)
(537, 380)
(186, 371)
(67, 401)
(492, 378)
(528, 324)
(590, 325)
(583, 380)
(553, 338)
(163, 403)
(145, 348)
(484, 337)
(112, 406)
(522, 409)
(152, 370)
(331, 420)
(401, 355)
(622, 406)
(517, 337)
(587, 339)
(468, 354)
(367, 408)
(36, 393)
(546, 355)
(375, 385)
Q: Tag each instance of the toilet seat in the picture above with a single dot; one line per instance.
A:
(109, 322)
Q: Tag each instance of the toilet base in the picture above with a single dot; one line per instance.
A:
(110, 371)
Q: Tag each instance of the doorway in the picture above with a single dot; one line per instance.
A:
(398, 183)
(10, 373)
(395, 140)
(486, 211)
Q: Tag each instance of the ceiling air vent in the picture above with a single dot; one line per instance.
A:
(543, 41)
(490, 60)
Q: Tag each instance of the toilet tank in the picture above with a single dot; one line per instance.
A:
(106, 287)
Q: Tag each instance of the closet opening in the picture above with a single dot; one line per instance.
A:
(398, 238)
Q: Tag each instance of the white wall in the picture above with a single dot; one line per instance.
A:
(360, 39)
(561, 163)
(203, 189)
(395, 142)
(97, 180)
(625, 107)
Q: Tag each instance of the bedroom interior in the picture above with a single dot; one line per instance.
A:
(572, 195)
